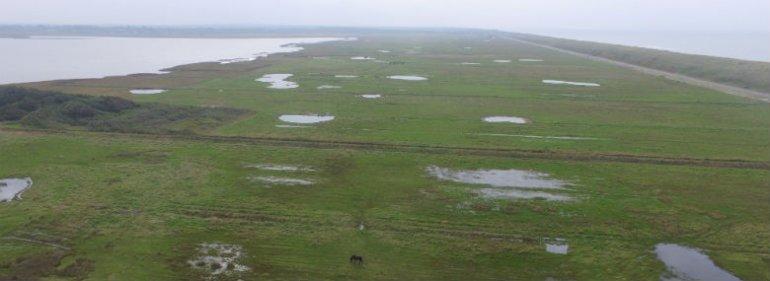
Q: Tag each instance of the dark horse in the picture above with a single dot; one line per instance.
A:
(356, 259)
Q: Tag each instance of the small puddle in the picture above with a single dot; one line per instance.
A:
(502, 61)
(280, 167)
(559, 82)
(530, 60)
(327, 87)
(686, 263)
(218, 259)
(278, 81)
(371, 96)
(281, 181)
(557, 246)
(506, 119)
(147, 91)
(362, 58)
(346, 76)
(306, 119)
(407, 77)
(11, 189)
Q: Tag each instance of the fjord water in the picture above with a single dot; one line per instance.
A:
(53, 58)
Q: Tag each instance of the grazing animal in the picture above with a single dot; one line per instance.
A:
(356, 259)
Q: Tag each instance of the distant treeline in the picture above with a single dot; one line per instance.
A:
(52, 110)
(740, 73)
(24, 31)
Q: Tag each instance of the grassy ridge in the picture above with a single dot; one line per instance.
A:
(52, 110)
(752, 75)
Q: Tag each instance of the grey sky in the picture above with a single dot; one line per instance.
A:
(520, 15)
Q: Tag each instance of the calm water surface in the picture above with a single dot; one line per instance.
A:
(53, 58)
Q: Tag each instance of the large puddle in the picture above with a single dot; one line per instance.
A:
(147, 91)
(686, 263)
(306, 119)
(499, 178)
(506, 184)
(278, 81)
(281, 181)
(12, 188)
(407, 77)
(219, 259)
(559, 82)
(506, 119)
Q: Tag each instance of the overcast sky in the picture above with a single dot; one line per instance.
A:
(516, 15)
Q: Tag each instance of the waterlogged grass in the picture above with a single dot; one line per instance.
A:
(139, 209)
(631, 112)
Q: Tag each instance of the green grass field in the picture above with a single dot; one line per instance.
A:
(108, 206)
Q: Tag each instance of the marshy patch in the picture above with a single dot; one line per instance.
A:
(278, 81)
(147, 91)
(505, 119)
(407, 77)
(557, 246)
(270, 180)
(328, 87)
(506, 184)
(56, 264)
(280, 167)
(12, 188)
(218, 259)
(559, 82)
(305, 119)
(371, 96)
(685, 263)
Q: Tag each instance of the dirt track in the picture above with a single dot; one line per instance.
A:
(432, 149)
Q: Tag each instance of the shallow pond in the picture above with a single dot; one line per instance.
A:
(12, 188)
(147, 91)
(278, 81)
(407, 77)
(686, 263)
(506, 119)
(306, 119)
(559, 82)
